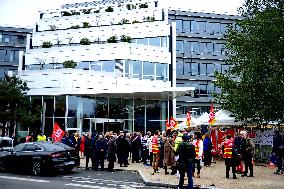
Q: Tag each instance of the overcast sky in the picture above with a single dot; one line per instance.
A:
(24, 12)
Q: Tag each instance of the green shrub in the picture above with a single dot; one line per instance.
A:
(109, 9)
(75, 13)
(128, 6)
(65, 13)
(97, 11)
(46, 44)
(86, 25)
(86, 11)
(69, 64)
(149, 19)
(85, 41)
(141, 6)
(112, 39)
(125, 38)
(135, 21)
(75, 27)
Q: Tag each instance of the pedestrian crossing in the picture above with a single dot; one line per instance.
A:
(83, 182)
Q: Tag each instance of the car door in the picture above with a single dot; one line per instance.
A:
(26, 156)
(13, 157)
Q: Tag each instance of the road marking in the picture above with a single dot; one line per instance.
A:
(87, 186)
(24, 179)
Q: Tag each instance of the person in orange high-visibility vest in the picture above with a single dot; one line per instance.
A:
(228, 156)
(198, 145)
(156, 151)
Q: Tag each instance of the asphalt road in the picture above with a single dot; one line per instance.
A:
(79, 178)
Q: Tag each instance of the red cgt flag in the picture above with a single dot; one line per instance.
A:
(57, 133)
(188, 119)
(212, 119)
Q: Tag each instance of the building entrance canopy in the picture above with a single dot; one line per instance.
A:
(143, 93)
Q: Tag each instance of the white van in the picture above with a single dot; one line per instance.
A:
(6, 143)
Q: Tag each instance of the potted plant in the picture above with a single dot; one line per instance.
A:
(86, 25)
(52, 27)
(97, 11)
(75, 27)
(109, 9)
(69, 64)
(85, 41)
(66, 13)
(75, 13)
(125, 38)
(112, 39)
(86, 11)
(46, 44)
(141, 6)
(135, 21)
(128, 6)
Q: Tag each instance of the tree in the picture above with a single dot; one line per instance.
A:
(253, 88)
(14, 104)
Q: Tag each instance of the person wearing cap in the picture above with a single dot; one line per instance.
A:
(278, 150)
(247, 153)
(186, 153)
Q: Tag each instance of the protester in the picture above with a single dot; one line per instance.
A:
(123, 149)
(156, 151)
(111, 152)
(168, 160)
(198, 144)
(41, 137)
(82, 146)
(247, 153)
(207, 147)
(87, 149)
(186, 153)
(228, 156)
(135, 147)
(278, 150)
(101, 149)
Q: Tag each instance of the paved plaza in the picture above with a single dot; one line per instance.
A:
(212, 176)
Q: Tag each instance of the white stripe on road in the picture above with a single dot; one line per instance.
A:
(24, 179)
(87, 186)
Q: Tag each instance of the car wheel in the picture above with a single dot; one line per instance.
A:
(36, 170)
(2, 166)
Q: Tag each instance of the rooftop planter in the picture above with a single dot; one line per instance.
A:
(112, 39)
(85, 41)
(75, 27)
(142, 6)
(125, 38)
(109, 9)
(135, 21)
(75, 13)
(97, 11)
(86, 25)
(69, 64)
(124, 21)
(46, 44)
(66, 13)
(130, 6)
(149, 19)
(86, 11)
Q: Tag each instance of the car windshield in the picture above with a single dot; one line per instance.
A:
(19, 147)
(5, 143)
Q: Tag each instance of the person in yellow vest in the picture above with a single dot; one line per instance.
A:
(41, 137)
(198, 145)
(228, 156)
(156, 151)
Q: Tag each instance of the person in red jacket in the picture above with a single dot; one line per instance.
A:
(228, 156)
(156, 150)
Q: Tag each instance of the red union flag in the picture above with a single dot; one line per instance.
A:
(212, 119)
(188, 119)
(57, 133)
(173, 123)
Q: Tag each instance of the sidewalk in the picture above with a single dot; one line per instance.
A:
(210, 176)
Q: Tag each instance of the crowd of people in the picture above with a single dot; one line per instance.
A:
(179, 151)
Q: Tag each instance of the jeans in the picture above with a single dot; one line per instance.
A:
(188, 168)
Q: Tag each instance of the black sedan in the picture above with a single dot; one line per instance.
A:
(39, 157)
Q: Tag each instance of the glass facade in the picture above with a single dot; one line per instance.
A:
(99, 114)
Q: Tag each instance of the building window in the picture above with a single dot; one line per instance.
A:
(143, 41)
(209, 69)
(202, 69)
(187, 68)
(180, 47)
(179, 67)
(136, 69)
(164, 41)
(96, 66)
(161, 71)
(209, 48)
(217, 49)
(203, 89)
(3, 55)
(108, 66)
(202, 48)
(195, 48)
(186, 26)
(179, 25)
(218, 68)
(5, 38)
(21, 39)
(148, 70)
(83, 65)
(217, 28)
(155, 41)
(193, 26)
(201, 27)
(209, 28)
(14, 55)
(194, 69)
(225, 67)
